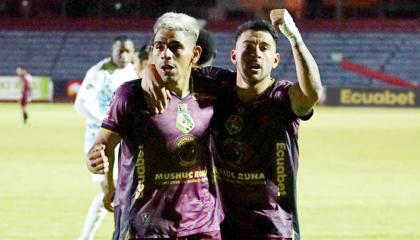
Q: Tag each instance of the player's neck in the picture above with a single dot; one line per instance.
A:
(180, 88)
(110, 67)
(250, 91)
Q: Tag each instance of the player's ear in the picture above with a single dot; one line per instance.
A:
(233, 56)
(276, 60)
(196, 53)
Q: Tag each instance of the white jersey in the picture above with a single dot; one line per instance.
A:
(96, 91)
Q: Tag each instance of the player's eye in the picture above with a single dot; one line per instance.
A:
(249, 47)
(159, 46)
(264, 48)
(175, 46)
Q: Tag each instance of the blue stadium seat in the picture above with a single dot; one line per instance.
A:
(68, 55)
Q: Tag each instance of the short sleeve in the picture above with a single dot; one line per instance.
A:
(280, 95)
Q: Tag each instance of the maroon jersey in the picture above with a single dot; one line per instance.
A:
(166, 185)
(25, 90)
(257, 169)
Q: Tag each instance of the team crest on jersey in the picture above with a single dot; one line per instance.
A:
(145, 217)
(234, 124)
(187, 150)
(233, 152)
(184, 121)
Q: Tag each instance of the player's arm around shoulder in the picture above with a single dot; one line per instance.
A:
(156, 94)
(308, 90)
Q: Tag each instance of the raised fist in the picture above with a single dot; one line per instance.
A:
(282, 19)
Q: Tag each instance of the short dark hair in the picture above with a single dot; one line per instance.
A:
(206, 42)
(143, 52)
(122, 38)
(257, 25)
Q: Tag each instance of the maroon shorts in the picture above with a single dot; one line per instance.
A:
(23, 101)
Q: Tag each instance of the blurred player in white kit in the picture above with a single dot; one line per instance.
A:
(92, 102)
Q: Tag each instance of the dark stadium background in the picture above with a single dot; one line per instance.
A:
(367, 44)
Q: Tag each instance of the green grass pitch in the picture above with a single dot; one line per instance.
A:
(359, 174)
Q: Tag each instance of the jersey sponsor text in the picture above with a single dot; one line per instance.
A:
(280, 168)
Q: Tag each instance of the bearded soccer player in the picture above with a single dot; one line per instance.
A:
(256, 132)
(92, 102)
(166, 185)
(256, 128)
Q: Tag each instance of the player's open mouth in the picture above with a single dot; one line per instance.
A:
(254, 66)
(167, 67)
